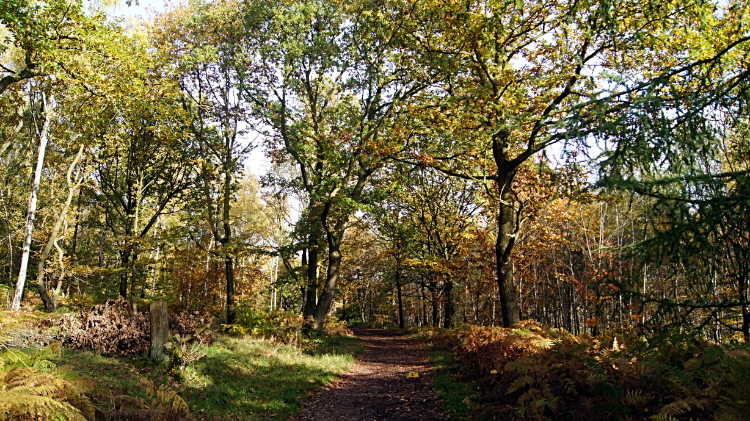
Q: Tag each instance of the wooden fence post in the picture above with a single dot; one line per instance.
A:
(159, 332)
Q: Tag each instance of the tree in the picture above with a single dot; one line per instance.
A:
(696, 185)
(213, 59)
(43, 140)
(519, 77)
(50, 303)
(145, 161)
(426, 223)
(334, 85)
(45, 37)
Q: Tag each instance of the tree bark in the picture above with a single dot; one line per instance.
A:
(231, 310)
(401, 323)
(311, 300)
(124, 263)
(332, 277)
(449, 309)
(505, 241)
(43, 139)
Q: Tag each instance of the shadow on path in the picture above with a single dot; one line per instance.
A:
(377, 386)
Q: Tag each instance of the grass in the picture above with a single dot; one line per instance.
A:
(240, 378)
(455, 394)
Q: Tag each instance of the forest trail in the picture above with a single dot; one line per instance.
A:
(377, 387)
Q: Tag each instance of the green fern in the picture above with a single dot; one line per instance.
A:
(681, 406)
(165, 398)
(520, 383)
(19, 405)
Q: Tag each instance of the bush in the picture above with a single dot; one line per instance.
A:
(279, 326)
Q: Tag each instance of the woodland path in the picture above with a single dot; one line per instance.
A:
(376, 387)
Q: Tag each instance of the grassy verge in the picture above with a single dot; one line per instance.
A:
(239, 378)
(453, 390)
(454, 394)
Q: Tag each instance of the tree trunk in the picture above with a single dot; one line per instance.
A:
(449, 310)
(51, 303)
(311, 300)
(303, 290)
(43, 139)
(231, 311)
(505, 242)
(124, 262)
(742, 283)
(401, 323)
(435, 319)
(329, 289)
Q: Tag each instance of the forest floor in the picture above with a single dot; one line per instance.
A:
(390, 381)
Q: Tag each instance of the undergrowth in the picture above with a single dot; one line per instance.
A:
(532, 372)
(107, 376)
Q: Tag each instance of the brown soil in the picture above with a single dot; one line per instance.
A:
(377, 387)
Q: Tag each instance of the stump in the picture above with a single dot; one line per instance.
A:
(159, 333)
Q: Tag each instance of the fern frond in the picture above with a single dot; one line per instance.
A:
(681, 406)
(663, 418)
(31, 395)
(530, 395)
(18, 405)
(569, 386)
(520, 383)
(633, 398)
(168, 400)
(525, 366)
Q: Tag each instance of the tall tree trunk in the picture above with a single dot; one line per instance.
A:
(743, 292)
(51, 303)
(505, 242)
(435, 316)
(10, 239)
(424, 305)
(449, 309)
(231, 310)
(401, 323)
(303, 290)
(124, 263)
(43, 139)
(332, 277)
(311, 300)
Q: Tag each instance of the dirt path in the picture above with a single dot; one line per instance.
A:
(377, 387)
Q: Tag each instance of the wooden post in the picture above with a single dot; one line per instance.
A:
(159, 332)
